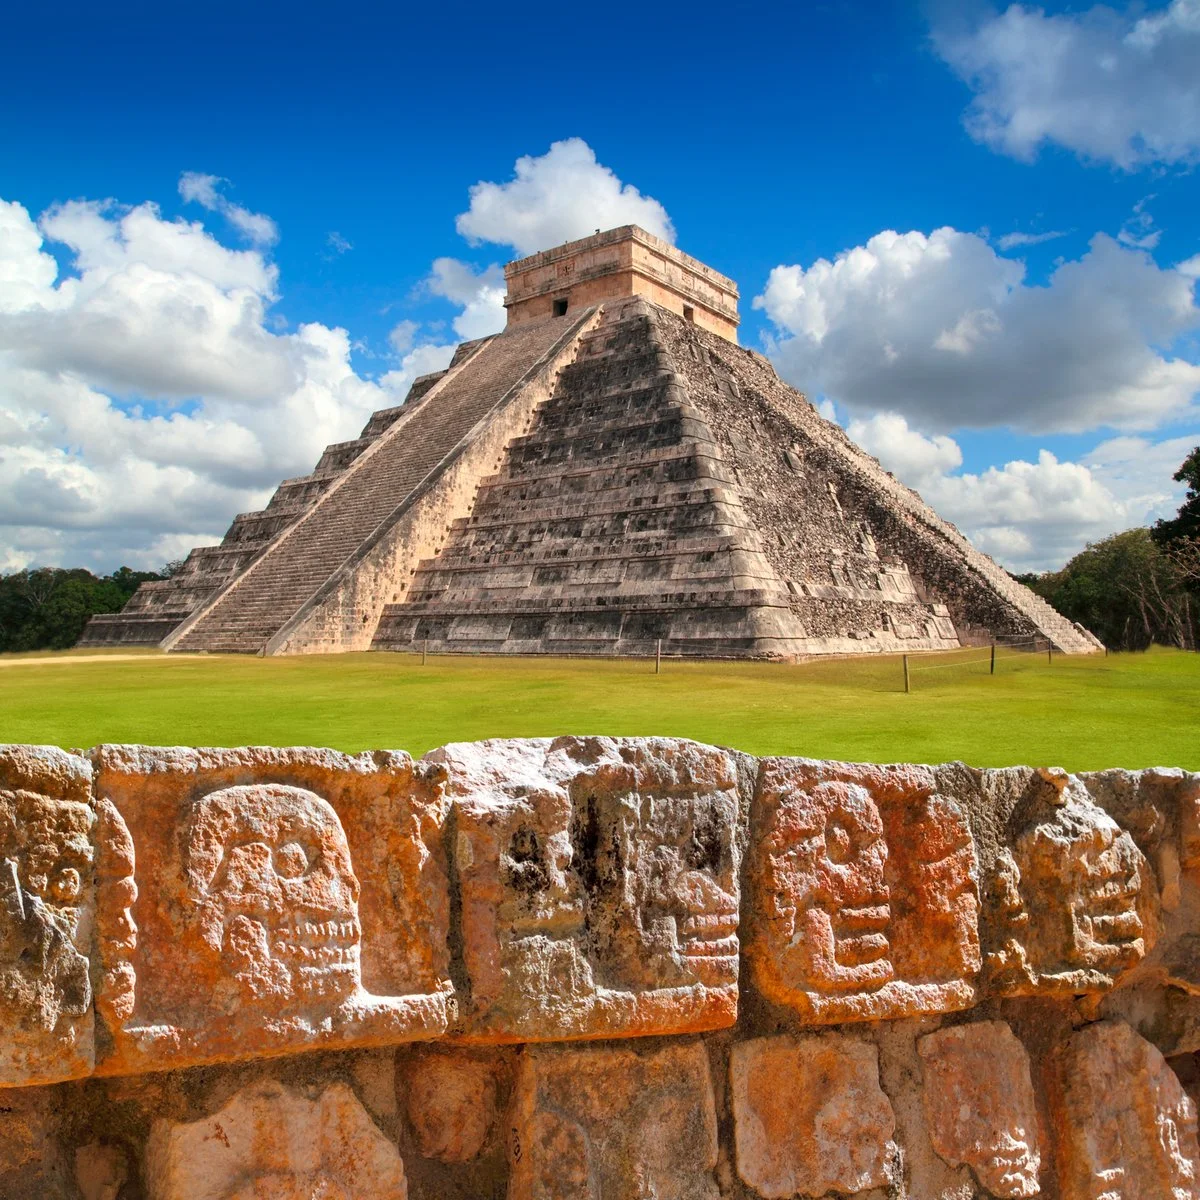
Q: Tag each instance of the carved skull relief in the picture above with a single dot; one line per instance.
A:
(45, 878)
(1066, 898)
(269, 870)
(866, 894)
(828, 856)
(662, 889)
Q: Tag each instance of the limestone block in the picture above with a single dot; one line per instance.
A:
(101, 1171)
(864, 892)
(809, 1115)
(47, 908)
(1124, 1127)
(1071, 900)
(980, 1105)
(450, 1099)
(296, 898)
(599, 886)
(272, 1143)
(598, 1122)
(32, 1164)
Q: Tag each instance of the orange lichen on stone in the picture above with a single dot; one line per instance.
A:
(47, 907)
(598, 1122)
(980, 1105)
(809, 1115)
(273, 925)
(864, 892)
(1123, 1124)
(599, 886)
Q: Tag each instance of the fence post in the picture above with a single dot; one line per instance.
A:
(993, 671)
(658, 657)
(424, 650)
(1049, 653)
(907, 682)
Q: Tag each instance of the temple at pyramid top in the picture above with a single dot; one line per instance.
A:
(617, 264)
(610, 473)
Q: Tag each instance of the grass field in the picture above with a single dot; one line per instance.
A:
(1082, 713)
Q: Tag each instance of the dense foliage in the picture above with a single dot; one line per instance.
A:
(46, 608)
(1185, 525)
(1128, 590)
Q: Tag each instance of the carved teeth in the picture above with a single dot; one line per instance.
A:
(726, 947)
(720, 924)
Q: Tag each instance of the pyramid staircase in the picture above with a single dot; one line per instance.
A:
(369, 492)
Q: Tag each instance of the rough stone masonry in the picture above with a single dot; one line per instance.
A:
(593, 968)
(611, 472)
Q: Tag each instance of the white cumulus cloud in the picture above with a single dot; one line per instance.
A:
(942, 329)
(144, 398)
(1033, 516)
(556, 197)
(1101, 83)
(205, 190)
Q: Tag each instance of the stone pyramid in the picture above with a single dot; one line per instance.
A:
(611, 471)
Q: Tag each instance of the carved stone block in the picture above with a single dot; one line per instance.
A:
(809, 1115)
(1124, 1127)
(450, 1099)
(864, 892)
(593, 1123)
(599, 886)
(47, 907)
(980, 1105)
(272, 1143)
(1071, 903)
(296, 898)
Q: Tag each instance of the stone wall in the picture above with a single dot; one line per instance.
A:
(593, 967)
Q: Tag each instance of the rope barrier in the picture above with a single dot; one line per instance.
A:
(990, 656)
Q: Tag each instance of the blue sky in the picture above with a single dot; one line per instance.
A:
(290, 186)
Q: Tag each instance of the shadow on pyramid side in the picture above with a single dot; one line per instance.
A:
(611, 472)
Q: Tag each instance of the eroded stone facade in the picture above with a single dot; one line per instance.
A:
(515, 969)
(610, 472)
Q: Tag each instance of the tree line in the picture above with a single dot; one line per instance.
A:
(1139, 587)
(46, 608)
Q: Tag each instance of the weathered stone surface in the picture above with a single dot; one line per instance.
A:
(299, 898)
(272, 1143)
(1124, 1128)
(101, 1171)
(981, 1107)
(47, 907)
(572, 487)
(450, 1099)
(809, 1115)
(1071, 901)
(864, 894)
(593, 1123)
(599, 886)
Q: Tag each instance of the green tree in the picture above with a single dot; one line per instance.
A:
(1186, 523)
(1127, 591)
(46, 608)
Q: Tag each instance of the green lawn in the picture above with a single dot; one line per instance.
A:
(1082, 713)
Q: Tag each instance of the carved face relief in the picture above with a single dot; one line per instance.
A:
(1079, 878)
(270, 871)
(662, 889)
(827, 857)
(541, 888)
(45, 873)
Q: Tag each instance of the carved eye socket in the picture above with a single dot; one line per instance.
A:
(66, 886)
(291, 861)
(839, 842)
